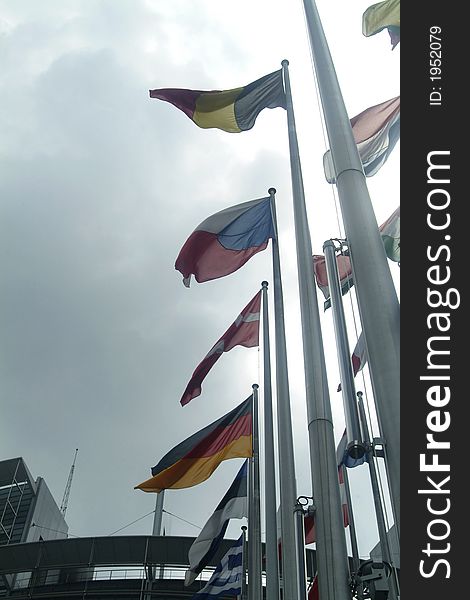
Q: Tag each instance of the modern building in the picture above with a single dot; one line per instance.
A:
(28, 512)
(38, 560)
(117, 567)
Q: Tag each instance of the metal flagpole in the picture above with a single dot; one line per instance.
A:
(384, 545)
(287, 483)
(272, 566)
(158, 514)
(373, 281)
(157, 526)
(353, 429)
(244, 594)
(352, 526)
(299, 517)
(254, 516)
(333, 572)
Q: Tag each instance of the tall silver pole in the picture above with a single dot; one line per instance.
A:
(376, 295)
(355, 446)
(287, 482)
(244, 593)
(157, 527)
(254, 513)
(352, 525)
(352, 530)
(333, 572)
(384, 544)
(158, 514)
(272, 566)
(299, 517)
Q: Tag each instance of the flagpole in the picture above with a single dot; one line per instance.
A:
(383, 537)
(351, 522)
(373, 281)
(272, 567)
(254, 516)
(355, 446)
(158, 514)
(244, 595)
(299, 517)
(157, 525)
(333, 571)
(287, 482)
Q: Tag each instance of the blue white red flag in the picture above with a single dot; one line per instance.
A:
(225, 241)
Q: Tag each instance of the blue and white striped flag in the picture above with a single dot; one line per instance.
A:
(226, 580)
(234, 505)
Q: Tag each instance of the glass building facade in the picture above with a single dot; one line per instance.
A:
(28, 512)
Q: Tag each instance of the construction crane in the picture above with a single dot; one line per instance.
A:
(65, 499)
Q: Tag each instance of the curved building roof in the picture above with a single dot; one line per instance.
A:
(120, 567)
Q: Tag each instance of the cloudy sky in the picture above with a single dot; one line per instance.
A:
(99, 188)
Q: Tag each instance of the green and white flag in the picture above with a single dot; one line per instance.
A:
(380, 16)
(390, 232)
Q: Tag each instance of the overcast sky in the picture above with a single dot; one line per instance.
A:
(99, 188)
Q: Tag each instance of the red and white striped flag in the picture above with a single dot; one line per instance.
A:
(243, 332)
(358, 357)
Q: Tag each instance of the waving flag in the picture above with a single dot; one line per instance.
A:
(344, 460)
(226, 240)
(321, 276)
(380, 16)
(390, 232)
(312, 593)
(194, 460)
(234, 505)
(230, 110)
(309, 529)
(342, 495)
(376, 131)
(243, 332)
(226, 580)
(359, 355)
(358, 358)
